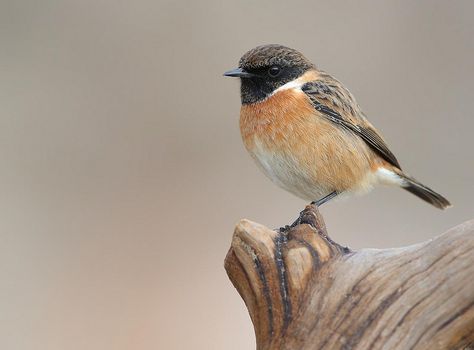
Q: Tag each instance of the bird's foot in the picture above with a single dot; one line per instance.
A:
(302, 218)
(284, 229)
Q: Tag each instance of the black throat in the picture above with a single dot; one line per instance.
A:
(253, 90)
(260, 86)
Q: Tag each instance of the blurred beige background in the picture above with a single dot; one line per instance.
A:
(123, 171)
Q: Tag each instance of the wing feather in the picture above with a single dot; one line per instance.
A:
(337, 104)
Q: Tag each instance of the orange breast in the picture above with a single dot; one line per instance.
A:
(300, 150)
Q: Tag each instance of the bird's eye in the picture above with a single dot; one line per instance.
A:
(274, 71)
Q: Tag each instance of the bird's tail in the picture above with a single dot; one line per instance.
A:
(423, 192)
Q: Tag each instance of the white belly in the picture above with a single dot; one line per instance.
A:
(287, 173)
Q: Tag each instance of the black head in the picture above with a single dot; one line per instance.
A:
(265, 68)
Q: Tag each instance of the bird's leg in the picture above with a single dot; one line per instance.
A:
(297, 221)
(325, 199)
(317, 203)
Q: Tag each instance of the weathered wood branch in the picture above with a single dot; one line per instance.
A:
(304, 291)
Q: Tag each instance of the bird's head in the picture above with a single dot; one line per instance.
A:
(265, 68)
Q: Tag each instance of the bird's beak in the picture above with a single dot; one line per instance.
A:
(239, 73)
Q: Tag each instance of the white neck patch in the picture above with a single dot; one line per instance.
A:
(294, 84)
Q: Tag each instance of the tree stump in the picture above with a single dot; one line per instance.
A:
(304, 291)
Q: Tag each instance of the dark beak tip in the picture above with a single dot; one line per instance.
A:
(233, 72)
(238, 73)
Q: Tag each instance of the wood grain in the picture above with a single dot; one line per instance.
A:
(304, 291)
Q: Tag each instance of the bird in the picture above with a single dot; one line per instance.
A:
(307, 133)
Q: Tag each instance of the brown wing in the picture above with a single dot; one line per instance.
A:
(337, 104)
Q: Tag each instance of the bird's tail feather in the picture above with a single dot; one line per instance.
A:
(424, 192)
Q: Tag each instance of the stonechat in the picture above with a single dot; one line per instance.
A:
(307, 133)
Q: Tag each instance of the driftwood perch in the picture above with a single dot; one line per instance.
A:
(304, 291)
